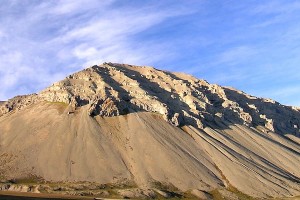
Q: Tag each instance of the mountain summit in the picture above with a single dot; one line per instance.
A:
(117, 123)
(118, 89)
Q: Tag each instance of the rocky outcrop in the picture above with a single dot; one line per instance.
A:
(116, 89)
(19, 188)
(18, 103)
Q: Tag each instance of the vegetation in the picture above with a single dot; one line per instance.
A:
(216, 195)
(29, 180)
(240, 194)
(60, 106)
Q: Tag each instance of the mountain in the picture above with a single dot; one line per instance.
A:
(152, 130)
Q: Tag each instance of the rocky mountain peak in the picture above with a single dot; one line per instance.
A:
(113, 89)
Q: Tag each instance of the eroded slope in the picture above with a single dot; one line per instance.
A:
(118, 123)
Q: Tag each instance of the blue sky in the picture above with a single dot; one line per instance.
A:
(252, 45)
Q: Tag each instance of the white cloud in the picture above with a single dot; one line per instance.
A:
(84, 51)
(114, 26)
(43, 41)
(51, 39)
(71, 6)
(275, 12)
(234, 55)
(276, 7)
(110, 37)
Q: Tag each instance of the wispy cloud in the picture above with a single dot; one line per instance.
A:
(111, 37)
(50, 39)
(62, 7)
(275, 12)
(276, 7)
(235, 55)
(247, 45)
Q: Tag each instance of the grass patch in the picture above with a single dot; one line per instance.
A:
(87, 189)
(58, 103)
(164, 186)
(60, 106)
(230, 188)
(3, 179)
(216, 195)
(32, 179)
(240, 194)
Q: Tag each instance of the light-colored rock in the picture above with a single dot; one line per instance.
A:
(115, 89)
(137, 193)
(229, 195)
(116, 122)
(201, 194)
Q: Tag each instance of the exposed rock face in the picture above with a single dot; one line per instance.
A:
(17, 103)
(19, 188)
(151, 129)
(118, 89)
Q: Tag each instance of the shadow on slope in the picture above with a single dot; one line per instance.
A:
(124, 105)
(176, 105)
(284, 118)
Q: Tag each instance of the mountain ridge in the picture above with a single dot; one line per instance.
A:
(199, 100)
(122, 124)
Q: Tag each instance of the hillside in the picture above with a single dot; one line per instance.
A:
(151, 130)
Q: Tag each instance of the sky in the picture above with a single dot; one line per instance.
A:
(251, 45)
